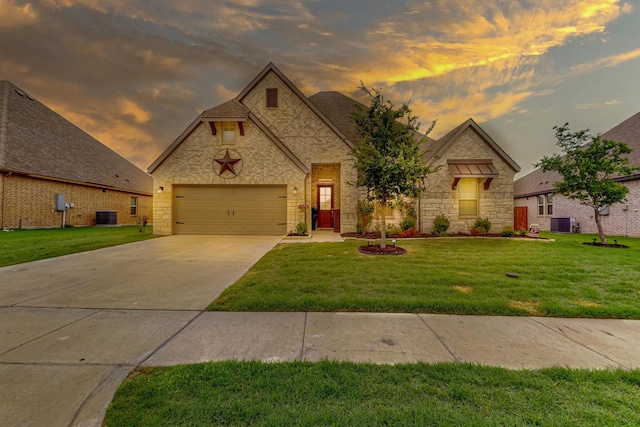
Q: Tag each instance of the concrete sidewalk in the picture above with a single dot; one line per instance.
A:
(511, 342)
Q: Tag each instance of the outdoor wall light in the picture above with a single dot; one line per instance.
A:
(295, 191)
(160, 190)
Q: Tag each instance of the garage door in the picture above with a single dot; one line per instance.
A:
(230, 209)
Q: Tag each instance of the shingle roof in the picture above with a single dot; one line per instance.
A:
(538, 182)
(35, 140)
(337, 107)
(230, 110)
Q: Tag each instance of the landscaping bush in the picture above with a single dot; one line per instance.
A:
(483, 222)
(507, 232)
(408, 222)
(301, 228)
(365, 210)
(441, 225)
(393, 229)
(478, 231)
(411, 232)
(359, 228)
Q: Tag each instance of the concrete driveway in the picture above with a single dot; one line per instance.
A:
(73, 327)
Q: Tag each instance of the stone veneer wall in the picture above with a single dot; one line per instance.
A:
(297, 126)
(495, 203)
(309, 137)
(623, 219)
(27, 202)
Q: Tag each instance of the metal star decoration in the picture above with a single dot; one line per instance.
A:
(227, 164)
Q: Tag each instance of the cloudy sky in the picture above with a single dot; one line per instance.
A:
(135, 73)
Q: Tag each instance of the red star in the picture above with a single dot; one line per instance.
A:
(227, 163)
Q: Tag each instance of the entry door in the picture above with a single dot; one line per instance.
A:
(325, 206)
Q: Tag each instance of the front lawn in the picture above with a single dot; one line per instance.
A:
(347, 394)
(30, 245)
(450, 275)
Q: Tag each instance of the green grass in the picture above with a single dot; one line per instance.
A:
(30, 245)
(460, 276)
(341, 394)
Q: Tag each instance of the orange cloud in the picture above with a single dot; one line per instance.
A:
(130, 108)
(13, 15)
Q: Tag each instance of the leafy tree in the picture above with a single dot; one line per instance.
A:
(387, 154)
(588, 169)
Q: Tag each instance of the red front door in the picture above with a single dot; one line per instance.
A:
(325, 206)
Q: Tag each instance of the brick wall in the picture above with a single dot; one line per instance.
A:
(496, 203)
(27, 202)
(623, 219)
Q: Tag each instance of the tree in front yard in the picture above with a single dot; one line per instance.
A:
(589, 168)
(387, 154)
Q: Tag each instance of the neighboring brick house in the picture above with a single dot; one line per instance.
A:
(245, 167)
(536, 204)
(42, 155)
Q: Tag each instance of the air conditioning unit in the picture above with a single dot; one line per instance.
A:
(562, 224)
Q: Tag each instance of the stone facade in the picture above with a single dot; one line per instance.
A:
(294, 123)
(496, 203)
(298, 146)
(623, 218)
(27, 202)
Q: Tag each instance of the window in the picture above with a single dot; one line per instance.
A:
(228, 132)
(134, 206)
(272, 98)
(545, 200)
(540, 205)
(377, 211)
(468, 190)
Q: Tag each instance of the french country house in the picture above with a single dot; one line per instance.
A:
(52, 173)
(536, 204)
(261, 162)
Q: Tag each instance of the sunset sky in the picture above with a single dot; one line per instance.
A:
(135, 73)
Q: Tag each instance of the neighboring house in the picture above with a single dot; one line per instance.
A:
(245, 167)
(43, 155)
(535, 203)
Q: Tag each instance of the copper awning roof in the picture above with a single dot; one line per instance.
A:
(472, 168)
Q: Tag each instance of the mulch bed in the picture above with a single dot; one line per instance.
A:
(376, 236)
(377, 250)
(607, 245)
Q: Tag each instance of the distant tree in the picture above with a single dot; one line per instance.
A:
(588, 169)
(387, 154)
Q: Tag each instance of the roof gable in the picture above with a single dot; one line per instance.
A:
(437, 148)
(36, 141)
(235, 110)
(272, 68)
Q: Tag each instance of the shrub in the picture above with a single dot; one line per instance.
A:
(478, 231)
(301, 228)
(507, 232)
(408, 222)
(359, 227)
(411, 232)
(365, 210)
(483, 222)
(441, 225)
(393, 229)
